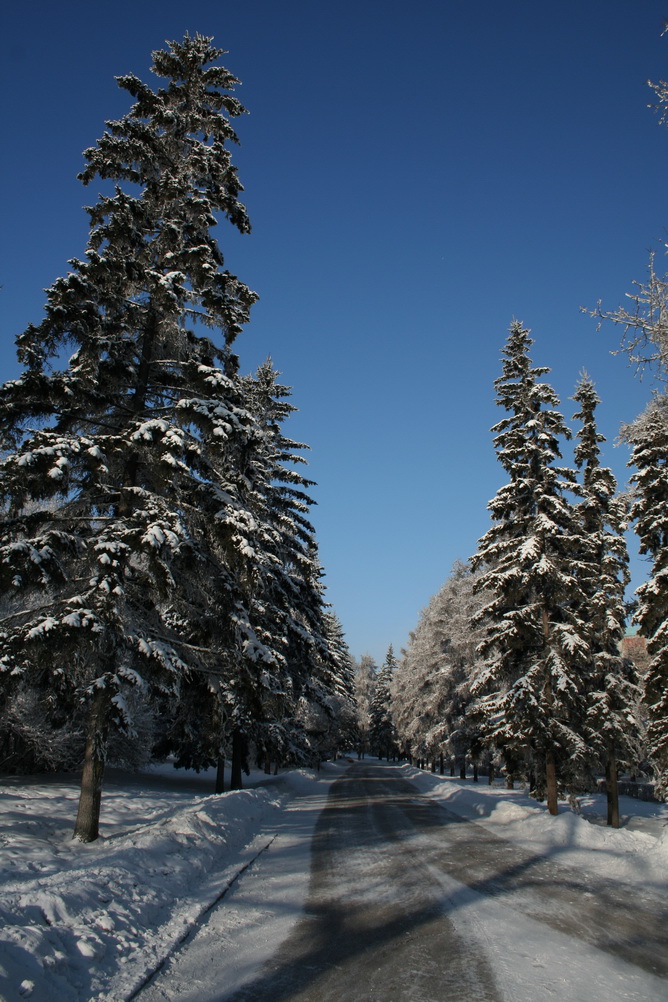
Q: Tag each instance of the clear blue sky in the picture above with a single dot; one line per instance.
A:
(417, 175)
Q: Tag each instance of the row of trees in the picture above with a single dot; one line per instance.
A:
(375, 731)
(532, 670)
(520, 654)
(158, 569)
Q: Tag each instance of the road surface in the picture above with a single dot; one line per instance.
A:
(408, 901)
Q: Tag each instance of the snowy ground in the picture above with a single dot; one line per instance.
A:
(89, 922)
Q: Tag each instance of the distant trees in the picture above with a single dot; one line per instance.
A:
(645, 341)
(154, 536)
(432, 684)
(382, 733)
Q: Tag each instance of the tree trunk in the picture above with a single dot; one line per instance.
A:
(611, 789)
(267, 766)
(433, 765)
(510, 782)
(475, 772)
(220, 775)
(490, 775)
(452, 766)
(550, 763)
(237, 759)
(87, 825)
(551, 782)
(462, 769)
(441, 764)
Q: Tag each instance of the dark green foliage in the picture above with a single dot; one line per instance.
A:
(531, 688)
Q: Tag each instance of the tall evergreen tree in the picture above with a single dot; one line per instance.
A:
(531, 686)
(648, 436)
(613, 719)
(643, 320)
(124, 539)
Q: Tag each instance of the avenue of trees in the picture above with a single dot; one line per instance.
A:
(159, 578)
(518, 659)
(161, 594)
(542, 686)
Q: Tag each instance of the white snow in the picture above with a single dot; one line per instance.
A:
(81, 922)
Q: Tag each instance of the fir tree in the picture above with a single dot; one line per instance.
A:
(328, 710)
(613, 719)
(530, 689)
(648, 436)
(124, 555)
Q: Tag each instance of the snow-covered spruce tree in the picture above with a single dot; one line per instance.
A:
(261, 701)
(531, 688)
(613, 718)
(287, 608)
(328, 712)
(123, 535)
(645, 341)
(382, 733)
(648, 435)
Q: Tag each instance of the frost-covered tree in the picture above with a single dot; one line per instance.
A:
(432, 687)
(126, 553)
(648, 435)
(613, 692)
(644, 323)
(264, 700)
(382, 733)
(531, 687)
(288, 608)
(328, 709)
(644, 316)
(366, 672)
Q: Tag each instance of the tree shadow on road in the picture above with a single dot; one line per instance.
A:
(376, 924)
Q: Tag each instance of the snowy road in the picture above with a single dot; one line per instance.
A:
(409, 901)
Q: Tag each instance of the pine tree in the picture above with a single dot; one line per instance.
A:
(648, 435)
(124, 553)
(613, 694)
(287, 601)
(645, 341)
(530, 689)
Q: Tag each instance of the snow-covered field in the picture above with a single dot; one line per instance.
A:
(81, 922)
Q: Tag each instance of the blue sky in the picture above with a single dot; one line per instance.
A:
(416, 175)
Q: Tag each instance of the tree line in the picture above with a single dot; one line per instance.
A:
(518, 660)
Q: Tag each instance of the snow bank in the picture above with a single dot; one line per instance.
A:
(82, 922)
(635, 857)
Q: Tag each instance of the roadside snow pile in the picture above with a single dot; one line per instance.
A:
(635, 857)
(82, 922)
